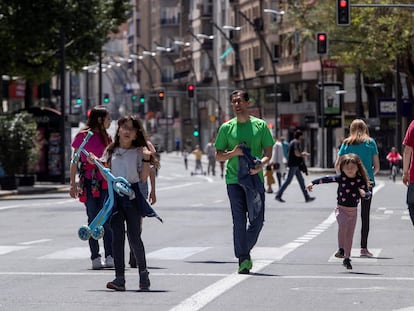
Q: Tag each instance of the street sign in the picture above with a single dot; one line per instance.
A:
(164, 121)
(387, 106)
(331, 122)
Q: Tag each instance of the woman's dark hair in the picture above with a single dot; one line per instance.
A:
(140, 140)
(96, 121)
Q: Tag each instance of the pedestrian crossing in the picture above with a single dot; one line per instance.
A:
(184, 253)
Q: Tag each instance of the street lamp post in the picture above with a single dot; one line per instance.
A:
(236, 49)
(211, 37)
(269, 52)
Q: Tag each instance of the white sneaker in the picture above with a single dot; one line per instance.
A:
(109, 262)
(97, 263)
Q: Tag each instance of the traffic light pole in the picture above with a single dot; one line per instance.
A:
(322, 112)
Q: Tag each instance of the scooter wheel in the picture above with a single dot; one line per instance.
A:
(98, 232)
(84, 233)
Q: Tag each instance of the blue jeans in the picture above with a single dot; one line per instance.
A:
(244, 236)
(293, 171)
(93, 206)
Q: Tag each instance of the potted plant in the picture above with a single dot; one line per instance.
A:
(17, 144)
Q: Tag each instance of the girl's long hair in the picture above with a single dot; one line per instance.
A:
(352, 157)
(95, 123)
(358, 133)
(140, 140)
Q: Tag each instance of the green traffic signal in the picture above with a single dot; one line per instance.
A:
(196, 133)
(78, 101)
(142, 99)
(134, 98)
(106, 99)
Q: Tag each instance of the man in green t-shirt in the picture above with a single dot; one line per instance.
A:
(253, 133)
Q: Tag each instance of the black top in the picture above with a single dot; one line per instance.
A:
(294, 160)
(348, 193)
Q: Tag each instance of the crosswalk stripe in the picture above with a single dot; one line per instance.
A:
(176, 253)
(5, 249)
(69, 253)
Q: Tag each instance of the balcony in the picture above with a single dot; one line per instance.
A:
(172, 21)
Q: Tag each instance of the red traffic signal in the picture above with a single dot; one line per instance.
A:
(343, 12)
(321, 43)
(190, 90)
(161, 95)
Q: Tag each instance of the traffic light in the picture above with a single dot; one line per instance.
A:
(190, 90)
(343, 12)
(196, 132)
(106, 98)
(321, 43)
(142, 99)
(78, 101)
(134, 98)
(161, 95)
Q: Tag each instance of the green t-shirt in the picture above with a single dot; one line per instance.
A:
(254, 133)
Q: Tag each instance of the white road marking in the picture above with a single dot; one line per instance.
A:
(203, 297)
(5, 249)
(69, 253)
(175, 253)
(206, 295)
(163, 274)
(35, 242)
(10, 207)
(177, 186)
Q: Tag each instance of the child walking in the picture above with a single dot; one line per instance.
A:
(129, 157)
(270, 180)
(353, 184)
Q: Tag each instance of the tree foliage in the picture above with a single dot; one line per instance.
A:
(374, 40)
(17, 142)
(31, 33)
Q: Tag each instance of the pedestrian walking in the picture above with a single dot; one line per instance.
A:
(185, 157)
(245, 142)
(296, 159)
(149, 194)
(278, 161)
(360, 143)
(222, 168)
(129, 157)
(353, 184)
(270, 179)
(92, 189)
(198, 153)
(408, 168)
(211, 157)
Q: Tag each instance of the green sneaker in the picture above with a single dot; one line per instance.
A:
(245, 266)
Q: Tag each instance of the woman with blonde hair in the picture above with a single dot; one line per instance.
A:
(360, 143)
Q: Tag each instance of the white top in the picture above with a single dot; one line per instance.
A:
(277, 154)
(126, 163)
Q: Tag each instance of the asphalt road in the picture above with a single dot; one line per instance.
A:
(45, 266)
